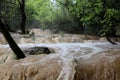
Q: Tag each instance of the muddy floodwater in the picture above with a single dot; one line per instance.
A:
(73, 57)
(69, 61)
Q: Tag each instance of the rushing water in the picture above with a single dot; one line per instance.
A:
(68, 54)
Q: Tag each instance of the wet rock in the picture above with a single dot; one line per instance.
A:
(38, 50)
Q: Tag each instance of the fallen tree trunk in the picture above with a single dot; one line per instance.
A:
(18, 52)
(108, 39)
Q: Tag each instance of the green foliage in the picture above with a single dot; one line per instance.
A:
(88, 13)
(39, 10)
(50, 15)
(97, 16)
(64, 24)
(10, 13)
(110, 21)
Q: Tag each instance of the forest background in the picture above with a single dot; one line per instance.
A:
(96, 17)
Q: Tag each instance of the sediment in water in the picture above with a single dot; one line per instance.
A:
(99, 62)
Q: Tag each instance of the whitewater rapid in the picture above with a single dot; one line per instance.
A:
(67, 54)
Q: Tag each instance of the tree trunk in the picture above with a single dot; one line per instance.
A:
(108, 39)
(18, 52)
(23, 15)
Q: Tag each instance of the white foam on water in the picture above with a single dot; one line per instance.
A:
(68, 59)
(63, 51)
